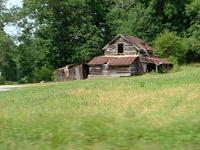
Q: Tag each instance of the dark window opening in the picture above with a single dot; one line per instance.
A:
(142, 52)
(120, 48)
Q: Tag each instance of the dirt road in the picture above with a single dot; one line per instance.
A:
(8, 87)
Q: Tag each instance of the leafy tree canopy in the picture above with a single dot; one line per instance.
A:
(56, 33)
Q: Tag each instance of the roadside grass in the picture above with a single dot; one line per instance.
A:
(149, 112)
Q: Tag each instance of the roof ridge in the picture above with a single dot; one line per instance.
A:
(120, 56)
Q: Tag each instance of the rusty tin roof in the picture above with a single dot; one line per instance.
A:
(157, 60)
(112, 60)
(139, 42)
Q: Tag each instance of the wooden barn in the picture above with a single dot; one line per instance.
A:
(72, 72)
(123, 56)
(126, 56)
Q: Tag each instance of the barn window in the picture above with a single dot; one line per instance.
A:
(120, 48)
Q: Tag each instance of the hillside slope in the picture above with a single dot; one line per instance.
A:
(150, 112)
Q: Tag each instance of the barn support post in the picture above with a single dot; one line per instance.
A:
(156, 68)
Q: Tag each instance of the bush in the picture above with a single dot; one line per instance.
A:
(162, 70)
(2, 80)
(10, 83)
(173, 60)
(43, 74)
(24, 80)
(170, 45)
(176, 66)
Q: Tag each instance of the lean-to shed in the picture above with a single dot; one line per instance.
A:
(72, 72)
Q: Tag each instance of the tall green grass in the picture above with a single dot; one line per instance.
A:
(150, 112)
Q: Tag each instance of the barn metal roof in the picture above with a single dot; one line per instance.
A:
(157, 60)
(113, 60)
(139, 42)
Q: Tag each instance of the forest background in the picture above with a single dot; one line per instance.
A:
(56, 33)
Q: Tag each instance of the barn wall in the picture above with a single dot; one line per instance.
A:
(112, 49)
(96, 70)
(110, 71)
(135, 68)
(76, 72)
(119, 70)
(143, 68)
(61, 74)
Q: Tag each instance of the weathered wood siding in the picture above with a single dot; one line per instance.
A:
(60, 76)
(143, 68)
(112, 49)
(116, 71)
(75, 72)
(135, 68)
(109, 71)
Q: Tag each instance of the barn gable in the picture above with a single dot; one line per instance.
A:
(120, 46)
(126, 45)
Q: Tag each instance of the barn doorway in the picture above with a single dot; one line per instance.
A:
(151, 67)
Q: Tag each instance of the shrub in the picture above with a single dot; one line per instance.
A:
(170, 45)
(10, 83)
(173, 60)
(43, 74)
(24, 80)
(2, 80)
(162, 70)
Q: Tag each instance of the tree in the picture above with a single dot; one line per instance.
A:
(7, 48)
(146, 19)
(74, 28)
(7, 63)
(138, 21)
(57, 33)
(169, 44)
(2, 14)
(193, 32)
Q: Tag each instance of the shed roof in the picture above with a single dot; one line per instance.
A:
(157, 60)
(113, 60)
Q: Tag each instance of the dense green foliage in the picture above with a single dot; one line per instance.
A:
(7, 47)
(151, 112)
(168, 44)
(7, 55)
(56, 33)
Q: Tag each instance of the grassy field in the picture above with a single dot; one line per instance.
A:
(150, 112)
